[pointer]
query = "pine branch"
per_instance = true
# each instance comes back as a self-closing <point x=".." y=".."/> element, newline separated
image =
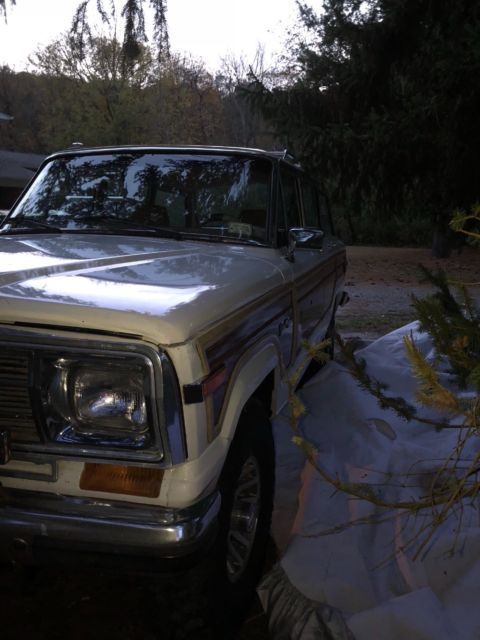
<point x="430" y="392"/>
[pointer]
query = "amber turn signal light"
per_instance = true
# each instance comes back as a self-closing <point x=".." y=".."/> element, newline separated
<point x="115" y="478"/>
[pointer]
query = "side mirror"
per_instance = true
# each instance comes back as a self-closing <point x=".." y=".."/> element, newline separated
<point x="303" y="238"/>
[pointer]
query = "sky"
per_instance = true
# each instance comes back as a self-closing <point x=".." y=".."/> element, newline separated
<point x="208" y="29"/>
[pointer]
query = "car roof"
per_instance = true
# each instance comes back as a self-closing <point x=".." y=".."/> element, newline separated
<point x="78" y="148"/>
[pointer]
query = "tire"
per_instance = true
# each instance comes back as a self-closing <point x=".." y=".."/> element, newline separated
<point x="211" y="599"/>
<point x="247" y="488"/>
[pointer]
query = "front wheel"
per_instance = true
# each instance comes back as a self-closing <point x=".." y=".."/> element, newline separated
<point x="219" y="590"/>
<point x="247" y="487"/>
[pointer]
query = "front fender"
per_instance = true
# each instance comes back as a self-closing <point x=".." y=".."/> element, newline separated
<point x="250" y="371"/>
<point x="182" y="484"/>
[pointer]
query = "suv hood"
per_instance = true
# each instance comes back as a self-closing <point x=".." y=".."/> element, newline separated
<point x="163" y="290"/>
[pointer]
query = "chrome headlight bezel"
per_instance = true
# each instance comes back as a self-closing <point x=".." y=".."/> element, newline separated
<point x="73" y="388"/>
<point x="165" y="444"/>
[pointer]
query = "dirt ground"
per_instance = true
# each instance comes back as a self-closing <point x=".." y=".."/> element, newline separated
<point x="381" y="280"/>
<point x="70" y="605"/>
<point x="55" y="604"/>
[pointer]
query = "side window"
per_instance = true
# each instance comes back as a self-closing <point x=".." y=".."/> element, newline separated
<point x="290" y="200"/>
<point x="310" y="205"/>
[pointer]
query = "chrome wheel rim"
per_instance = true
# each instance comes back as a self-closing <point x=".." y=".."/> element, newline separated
<point x="243" y="519"/>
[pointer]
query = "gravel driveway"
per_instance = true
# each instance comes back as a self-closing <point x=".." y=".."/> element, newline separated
<point x="380" y="282"/>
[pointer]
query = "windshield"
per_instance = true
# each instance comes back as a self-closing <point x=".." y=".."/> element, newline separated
<point x="217" y="196"/>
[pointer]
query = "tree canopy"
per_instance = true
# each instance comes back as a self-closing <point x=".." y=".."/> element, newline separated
<point x="98" y="100"/>
<point x="383" y="103"/>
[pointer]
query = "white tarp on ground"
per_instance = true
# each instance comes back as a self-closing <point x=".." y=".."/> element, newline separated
<point x="363" y="571"/>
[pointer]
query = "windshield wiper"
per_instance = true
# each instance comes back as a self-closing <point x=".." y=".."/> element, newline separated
<point x="205" y="237"/>
<point x="28" y="225"/>
<point x="128" y="225"/>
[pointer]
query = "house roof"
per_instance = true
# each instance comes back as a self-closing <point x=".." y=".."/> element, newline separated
<point x="16" y="168"/>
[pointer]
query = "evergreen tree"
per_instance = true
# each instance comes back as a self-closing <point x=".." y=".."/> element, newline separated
<point x="383" y="103"/>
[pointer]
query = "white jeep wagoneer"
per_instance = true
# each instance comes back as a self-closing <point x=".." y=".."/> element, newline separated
<point x="153" y="301"/>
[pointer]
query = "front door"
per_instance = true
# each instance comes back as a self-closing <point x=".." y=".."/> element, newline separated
<point x="313" y="270"/>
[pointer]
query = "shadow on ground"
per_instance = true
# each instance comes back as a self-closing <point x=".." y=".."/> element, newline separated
<point x="52" y="604"/>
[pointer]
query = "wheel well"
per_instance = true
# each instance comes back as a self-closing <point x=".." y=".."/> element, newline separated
<point x="264" y="392"/>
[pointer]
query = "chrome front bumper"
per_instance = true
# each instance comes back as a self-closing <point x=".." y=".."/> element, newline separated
<point x="32" y="523"/>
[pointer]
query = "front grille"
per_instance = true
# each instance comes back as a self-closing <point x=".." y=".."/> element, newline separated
<point x="15" y="405"/>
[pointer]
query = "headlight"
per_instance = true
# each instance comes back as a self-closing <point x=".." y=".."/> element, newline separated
<point x="111" y="401"/>
<point x="97" y="400"/>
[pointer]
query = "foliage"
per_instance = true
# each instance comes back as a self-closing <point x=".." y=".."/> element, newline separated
<point x="3" y="7"/>
<point x="98" y="100"/>
<point x="134" y="33"/>
<point x="94" y="98"/>
<point x="382" y="102"/>
<point x="454" y="327"/>
<point x="468" y="224"/>
<point x="105" y="88"/>
<point x="246" y="127"/>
